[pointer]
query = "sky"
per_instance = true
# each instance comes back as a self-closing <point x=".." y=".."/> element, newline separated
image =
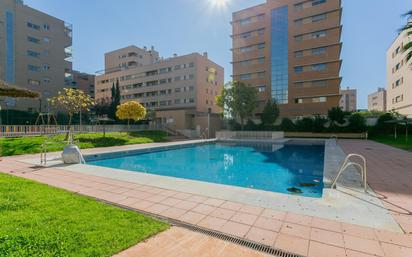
<point x="186" y="26"/>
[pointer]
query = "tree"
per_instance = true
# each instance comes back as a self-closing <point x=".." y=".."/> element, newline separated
<point x="238" y="101"/>
<point x="116" y="97"/>
<point x="336" y="115"/>
<point x="131" y="110"/>
<point x="72" y="101"/>
<point x="408" y="29"/>
<point x="269" y="115"/>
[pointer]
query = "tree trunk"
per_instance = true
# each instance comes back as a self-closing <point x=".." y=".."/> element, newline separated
<point x="69" y="127"/>
<point x="128" y="125"/>
<point x="241" y="123"/>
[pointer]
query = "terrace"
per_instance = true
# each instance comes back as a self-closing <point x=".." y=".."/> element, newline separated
<point x="343" y="222"/>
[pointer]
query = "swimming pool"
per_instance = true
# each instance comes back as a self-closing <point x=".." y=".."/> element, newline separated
<point x="295" y="168"/>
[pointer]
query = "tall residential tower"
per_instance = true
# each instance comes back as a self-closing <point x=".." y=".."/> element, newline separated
<point x="290" y="51"/>
<point x="35" y="53"/>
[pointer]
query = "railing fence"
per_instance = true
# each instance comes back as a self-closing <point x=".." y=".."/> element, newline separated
<point x="36" y="130"/>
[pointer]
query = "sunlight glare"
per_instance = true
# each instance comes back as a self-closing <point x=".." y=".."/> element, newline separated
<point x="221" y="4"/>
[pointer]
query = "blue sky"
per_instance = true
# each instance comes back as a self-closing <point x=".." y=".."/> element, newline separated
<point x="185" y="26"/>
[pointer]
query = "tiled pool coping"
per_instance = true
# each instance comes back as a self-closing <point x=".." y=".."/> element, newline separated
<point x="348" y="204"/>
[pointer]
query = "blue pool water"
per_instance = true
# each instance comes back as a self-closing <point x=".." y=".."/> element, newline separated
<point x="269" y="167"/>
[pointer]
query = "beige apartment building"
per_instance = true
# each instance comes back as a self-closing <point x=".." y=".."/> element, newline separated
<point x="84" y="82"/>
<point x="399" y="77"/>
<point x="377" y="100"/>
<point x="35" y="52"/>
<point x="290" y="51"/>
<point x="181" y="89"/>
<point x="348" y="100"/>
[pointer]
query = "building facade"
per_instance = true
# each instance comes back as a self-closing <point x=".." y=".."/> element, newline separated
<point x="84" y="82"/>
<point x="399" y="76"/>
<point x="377" y="100"/>
<point x="348" y="101"/>
<point x="290" y="51"/>
<point x="35" y="53"/>
<point x="182" y="89"/>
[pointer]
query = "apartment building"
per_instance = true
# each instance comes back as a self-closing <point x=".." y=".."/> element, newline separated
<point x="377" y="100"/>
<point x="35" y="52"/>
<point x="399" y="76"/>
<point x="84" y="82"/>
<point x="290" y="51"/>
<point x="181" y="89"/>
<point x="348" y="101"/>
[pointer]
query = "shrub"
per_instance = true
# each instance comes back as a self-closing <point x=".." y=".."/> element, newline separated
<point x="357" y="123"/>
<point x="251" y="126"/>
<point x="319" y="124"/>
<point x="287" y="125"/>
<point x="305" y="124"/>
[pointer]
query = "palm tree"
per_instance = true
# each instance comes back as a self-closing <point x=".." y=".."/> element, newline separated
<point x="408" y="29"/>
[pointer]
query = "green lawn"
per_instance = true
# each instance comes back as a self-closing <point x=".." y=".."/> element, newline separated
<point x="400" y="142"/>
<point x="26" y="145"/>
<point x="38" y="220"/>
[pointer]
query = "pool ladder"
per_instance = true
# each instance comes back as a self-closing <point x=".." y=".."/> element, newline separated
<point x="360" y="167"/>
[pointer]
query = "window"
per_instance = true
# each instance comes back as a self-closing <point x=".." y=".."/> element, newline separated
<point x="46" y="67"/>
<point x="261" y="32"/>
<point x="399" y="99"/>
<point x="320" y="83"/>
<point x="319" y="51"/>
<point x="191" y="65"/>
<point x="33" y="40"/>
<point x="46" y="80"/>
<point x="246" y="35"/>
<point x="245" y="76"/>
<point x="33" y="54"/>
<point x="177" y="67"/>
<point x="177" y="78"/>
<point x="319" y="34"/>
<point x="33" y="26"/>
<point x="261" y="46"/>
<point x="46" y="26"/>
<point x="33" y="68"/>
<point x="246" y="21"/>
<point x="321" y="99"/>
<point x="298" y="101"/>
<point x="319" y="17"/>
<point x="318" y="2"/>
<point x="299" y="7"/>
<point x="178" y="90"/>
<point x="46" y="40"/>
<point x="261" y="60"/>
<point x="298" y="54"/>
<point x="33" y="82"/>
<point x="298" y="69"/>
<point x="261" y="75"/>
<point x="261" y="88"/>
<point x="191" y="76"/>
<point x="319" y="67"/>
<point x="299" y="38"/>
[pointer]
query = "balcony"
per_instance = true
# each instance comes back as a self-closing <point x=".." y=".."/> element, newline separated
<point x="68" y="53"/>
<point x="68" y="29"/>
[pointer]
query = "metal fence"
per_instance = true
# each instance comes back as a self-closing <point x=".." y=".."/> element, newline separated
<point x="33" y="130"/>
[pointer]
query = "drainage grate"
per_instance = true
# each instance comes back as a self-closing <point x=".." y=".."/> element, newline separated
<point x="232" y="239"/>
<point x="239" y="241"/>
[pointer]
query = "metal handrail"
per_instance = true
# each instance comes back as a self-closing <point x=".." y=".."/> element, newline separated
<point x="362" y="168"/>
